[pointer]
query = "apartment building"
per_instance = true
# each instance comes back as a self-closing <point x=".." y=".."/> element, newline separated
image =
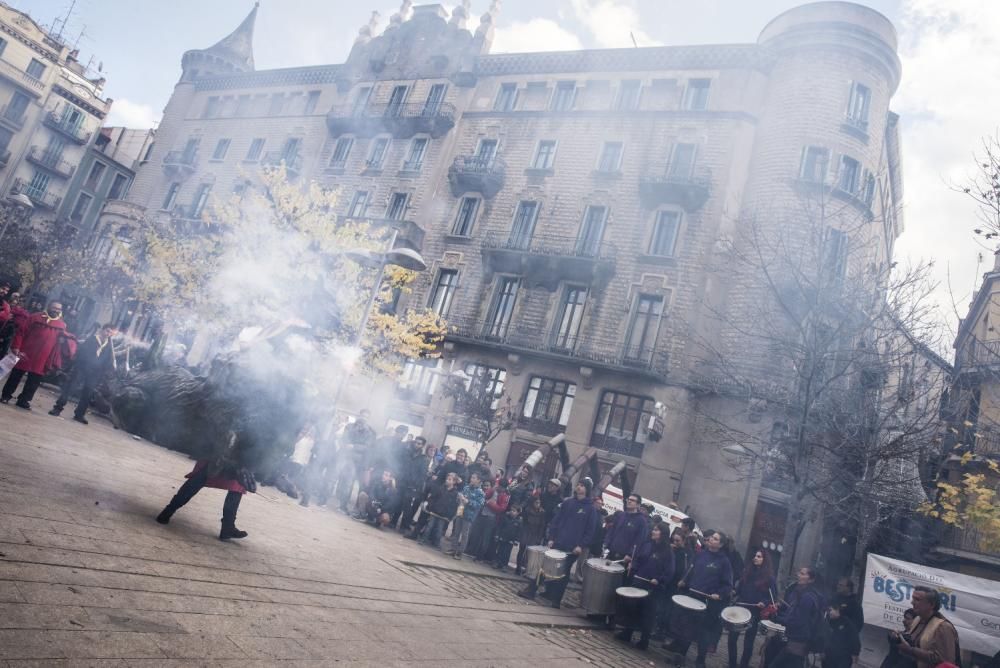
<point x="568" y="205"/>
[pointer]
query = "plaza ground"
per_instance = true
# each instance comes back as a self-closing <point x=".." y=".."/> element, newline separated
<point x="88" y="578"/>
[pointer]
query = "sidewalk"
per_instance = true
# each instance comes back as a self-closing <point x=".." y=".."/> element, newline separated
<point x="87" y="576"/>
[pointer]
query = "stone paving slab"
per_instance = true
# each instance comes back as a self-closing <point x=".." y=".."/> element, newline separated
<point x="87" y="578"/>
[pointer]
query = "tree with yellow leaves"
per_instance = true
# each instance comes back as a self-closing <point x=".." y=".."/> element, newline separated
<point x="967" y="500"/>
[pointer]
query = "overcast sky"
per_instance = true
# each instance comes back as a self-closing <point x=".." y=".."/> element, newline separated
<point x="949" y="98"/>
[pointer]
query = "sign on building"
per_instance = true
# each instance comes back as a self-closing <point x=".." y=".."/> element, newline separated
<point x="972" y="604"/>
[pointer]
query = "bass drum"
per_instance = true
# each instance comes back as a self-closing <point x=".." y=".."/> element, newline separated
<point x="555" y="564"/>
<point x="600" y="580"/>
<point x="736" y="618"/>
<point x="630" y="602"/>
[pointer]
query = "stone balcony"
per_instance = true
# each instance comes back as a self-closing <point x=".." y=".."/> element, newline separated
<point x="180" y="163"/>
<point x="547" y="260"/>
<point x="409" y="234"/>
<point x="293" y="163"/>
<point x="688" y="191"/>
<point x="584" y="350"/>
<point x="21" y="78"/>
<point x="402" y="121"/>
<point x="50" y="162"/>
<point x="74" y="133"/>
<point x="471" y="173"/>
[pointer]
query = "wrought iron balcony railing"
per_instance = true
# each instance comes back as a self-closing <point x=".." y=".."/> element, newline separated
<point x="688" y="189"/>
<point x="51" y="162"/>
<point x="39" y="197"/>
<point x="473" y="173"/>
<point x="399" y="120"/>
<point x="180" y="162"/>
<point x="581" y="349"/>
<point x="73" y="131"/>
<point x="292" y="161"/>
<point x="546" y="259"/>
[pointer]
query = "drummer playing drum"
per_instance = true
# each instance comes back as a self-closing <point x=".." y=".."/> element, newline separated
<point x="711" y="578"/>
<point x="755" y="590"/>
<point x="571" y="531"/>
<point x="652" y="569"/>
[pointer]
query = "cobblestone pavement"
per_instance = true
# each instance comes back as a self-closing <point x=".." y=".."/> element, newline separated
<point x="88" y="578"/>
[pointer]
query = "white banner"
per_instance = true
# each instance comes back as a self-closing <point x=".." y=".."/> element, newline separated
<point x="972" y="604"/>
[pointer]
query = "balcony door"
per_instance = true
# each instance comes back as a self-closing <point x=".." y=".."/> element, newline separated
<point x="396" y="101"/>
<point x="485" y="153"/>
<point x="524" y="225"/>
<point x="588" y="242"/>
<point x="502" y="309"/>
<point x="434" y="99"/>
<point x="567" y="332"/>
<point x="644" y="328"/>
<point x="72" y="118"/>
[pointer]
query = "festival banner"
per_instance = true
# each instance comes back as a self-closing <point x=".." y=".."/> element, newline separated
<point x="972" y="604"/>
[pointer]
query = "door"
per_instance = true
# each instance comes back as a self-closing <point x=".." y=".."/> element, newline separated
<point x="486" y="152"/>
<point x="434" y="99"/>
<point x="396" y="100"/>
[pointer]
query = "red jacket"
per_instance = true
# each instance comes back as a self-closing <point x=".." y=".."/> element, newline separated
<point x="497" y="501"/>
<point x="39" y="342"/>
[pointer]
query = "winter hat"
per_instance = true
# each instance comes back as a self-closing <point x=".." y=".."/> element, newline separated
<point x="556" y="482"/>
<point x="589" y="484"/>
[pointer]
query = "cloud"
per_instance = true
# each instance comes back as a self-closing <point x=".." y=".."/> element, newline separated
<point x="612" y="23"/>
<point x="534" y="35"/>
<point x="132" y="114"/>
<point x="947" y="102"/>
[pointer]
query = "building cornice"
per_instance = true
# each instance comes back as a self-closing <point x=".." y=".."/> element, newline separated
<point x="78" y="101"/>
<point x="30" y="43"/>
<point x="289" y="76"/>
<point x="741" y="116"/>
<point x="703" y="57"/>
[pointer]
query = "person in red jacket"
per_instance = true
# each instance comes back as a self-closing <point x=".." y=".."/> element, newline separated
<point x="39" y="345"/>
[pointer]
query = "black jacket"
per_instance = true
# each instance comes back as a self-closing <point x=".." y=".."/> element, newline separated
<point x="443" y="502"/>
<point x="509" y="529"/>
<point x="94" y="359"/>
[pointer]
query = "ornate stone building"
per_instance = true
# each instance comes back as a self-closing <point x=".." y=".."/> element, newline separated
<point x="567" y="204"/>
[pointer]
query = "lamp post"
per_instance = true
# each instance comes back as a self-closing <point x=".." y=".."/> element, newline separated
<point x="18" y="205"/>
<point x="743" y="452"/>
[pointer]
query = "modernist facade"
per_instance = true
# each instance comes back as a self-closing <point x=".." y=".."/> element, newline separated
<point x="50" y="113"/>
<point x="567" y="205"/>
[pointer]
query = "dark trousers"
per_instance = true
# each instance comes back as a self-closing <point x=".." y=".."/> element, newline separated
<point x="408" y="504"/>
<point x="647" y="617"/>
<point x="554" y="589"/>
<point x="481" y="535"/>
<point x="318" y="480"/>
<point x="86" y="383"/>
<point x="192" y="486"/>
<point x="345" y="482"/>
<point x="748" y="639"/>
<point x="710" y="621"/>
<point x="30" y="386"/>
<point x="503" y="551"/>
<point x="436" y="526"/>
<point x="788" y="660"/>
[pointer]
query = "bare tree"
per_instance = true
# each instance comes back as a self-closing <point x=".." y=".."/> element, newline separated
<point x="822" y="334"/>
<point x="481" y="402"/>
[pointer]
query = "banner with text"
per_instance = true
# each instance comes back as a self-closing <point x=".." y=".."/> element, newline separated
<point x="972" y="604"/>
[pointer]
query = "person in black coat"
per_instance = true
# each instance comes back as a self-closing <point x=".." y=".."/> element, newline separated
<point x="895" y="659"/>
<point x="844" y="641"/>
<point x="95" y="358"/>
<point x="412" y="478"/>
<point x="652" y="569"/>
<point x="507" y="533"/>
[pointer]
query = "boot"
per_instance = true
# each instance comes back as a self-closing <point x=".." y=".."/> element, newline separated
<point x="165" y="515"/>
<point x="229" y="530"/>
<point x="55" y="411"/>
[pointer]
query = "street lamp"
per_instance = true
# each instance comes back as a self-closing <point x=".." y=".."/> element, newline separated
<point x="18" y="205"/>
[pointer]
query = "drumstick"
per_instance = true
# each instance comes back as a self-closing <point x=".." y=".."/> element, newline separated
<point x="700" y="592"/>
<point x="769" y="593"/>
<point x="639" y="577"/>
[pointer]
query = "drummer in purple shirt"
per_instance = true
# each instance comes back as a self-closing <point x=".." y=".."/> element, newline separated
<point x="652" y="569"/>
<point x="571" y="531"/>
<point x="628" y="531"/>
<point x="711" y="580"/>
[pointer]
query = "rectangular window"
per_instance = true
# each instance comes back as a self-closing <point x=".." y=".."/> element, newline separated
<point x="628" y="95"/>
<point x="211" y="107"/>
<point x="242" y="106"/>
<point x="5" y="137"/>
<point x="415" y="160"/>
<point x="256" y="148"/>
<point x="312" y="100"/>
<point x="588" y="242"/>
<point x="118" y="187"/>
<point x="502" y="309"/>
<point x="857" y="106"/>
<point x="869" y="192"/>
<point x="545" y="155"/>
<point x="396" y="101"/>
<point x="171" y="198"/>
<point x="358" y="205"/>
<point x="276" y="105"/>
<point x="190" y="151"/>
<point x="622" y="423"/>
<point x="549" y="400"/>
<point x="3" y="45"/>
<point x="835" y="244"/>
<point x="696" y="94"/>
<point x="681" y="161"/>
<point x="290" y="151"/>
<point x="850" y="175"/>
<point x="380" y="146"/>
<point x="38" y="185"/>
<point x="566" y="334"/>
<point x="485" y="152"/>
<point x="524" y="225"/>
<point x="487" y="382"/>
<point x="17" y="106"/>
<point x="200" y="200"/>
<point x="564" y="97"/>
<point x="419" y="380"/>
<point x="665" y="231"/>
<point x="434" y="99"/>
<point x="611" y="157"/>
<point x="397" y="206"/>
<point x="361" y="100"/>
<point x="644" y="328"/>
<point x="815" y="162"/>
<point x="221" y="148"/>
<point x="444" y="292"/>
<point x="341" y="150"/>
<point x="506" y="97"/>
<point x="94" y="176"/>
<point x="466" y="218"/>
<point x="36" y="69"/>
<point x="81" y="207"/>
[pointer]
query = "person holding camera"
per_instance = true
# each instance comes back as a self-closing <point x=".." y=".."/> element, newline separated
<point x="894" y="659"/>
<point x="932" y="638"/>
